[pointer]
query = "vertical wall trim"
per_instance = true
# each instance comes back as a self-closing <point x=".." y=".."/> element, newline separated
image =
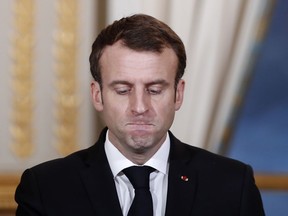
<point x="66" y="99"/>
<point x="22" y="78"/>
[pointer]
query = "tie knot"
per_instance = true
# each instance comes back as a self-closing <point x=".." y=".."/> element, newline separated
<point x="139" y="176"/>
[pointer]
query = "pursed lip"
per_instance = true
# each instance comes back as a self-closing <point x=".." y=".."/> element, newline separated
<point x="140" y="125"/>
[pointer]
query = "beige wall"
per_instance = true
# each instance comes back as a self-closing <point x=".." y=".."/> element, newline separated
<point x="33" y="35"/>
<point x="41" y="118"/>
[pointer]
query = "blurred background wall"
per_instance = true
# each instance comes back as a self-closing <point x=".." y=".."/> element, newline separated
<point x="45" y="79"/>
<point x="46" y="110"/>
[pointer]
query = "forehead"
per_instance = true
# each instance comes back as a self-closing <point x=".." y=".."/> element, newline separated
<point x="118" y="61"/>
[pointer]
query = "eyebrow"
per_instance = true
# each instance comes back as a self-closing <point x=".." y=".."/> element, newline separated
<point x="158" y="82"/>
<point x="122" y="82"/>
<point x="153" y="82"/>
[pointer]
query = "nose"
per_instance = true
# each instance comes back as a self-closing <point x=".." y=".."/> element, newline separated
<point x="139" y="102"/>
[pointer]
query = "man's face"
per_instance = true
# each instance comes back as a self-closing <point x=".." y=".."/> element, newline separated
<point x="138" y="98"/>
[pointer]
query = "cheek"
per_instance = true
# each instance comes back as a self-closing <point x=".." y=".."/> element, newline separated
<point x="165" y="109"/>
<point x="113" y="110"/>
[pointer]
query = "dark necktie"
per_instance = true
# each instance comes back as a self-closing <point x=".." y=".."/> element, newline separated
<point x="139" y="177"/>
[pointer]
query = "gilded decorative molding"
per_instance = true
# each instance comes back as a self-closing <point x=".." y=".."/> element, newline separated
<point x="8" y="184"/>
<point x="66" y="80"/>
<point x="22" y="78"/>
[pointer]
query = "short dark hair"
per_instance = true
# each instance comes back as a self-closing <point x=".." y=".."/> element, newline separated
<point x="138" y="32"/>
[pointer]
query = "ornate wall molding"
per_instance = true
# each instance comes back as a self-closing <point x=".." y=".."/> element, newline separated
<point x="8" y="184"/>
<point x="67" y="105"/>
<point x="22" y="78"/>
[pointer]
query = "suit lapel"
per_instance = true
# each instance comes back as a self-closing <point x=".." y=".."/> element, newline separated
<point x="99" y="183"/>
<point x="182" y="181"/>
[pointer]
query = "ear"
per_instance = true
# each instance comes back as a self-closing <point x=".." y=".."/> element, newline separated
<point x="179" y="94"/>
<point x="96" y="96"/>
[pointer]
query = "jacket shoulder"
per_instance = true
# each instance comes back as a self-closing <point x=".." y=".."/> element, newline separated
<point x="64" y="165"/>
<point x="203" y="159"/>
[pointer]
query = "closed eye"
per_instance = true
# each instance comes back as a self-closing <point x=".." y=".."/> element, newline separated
<point x="154" y="90"/>
<point x="123" y="90"/>
<point x="156" y="87"/>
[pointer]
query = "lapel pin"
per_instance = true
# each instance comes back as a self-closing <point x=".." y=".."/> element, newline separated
<point x="184" y="178"/>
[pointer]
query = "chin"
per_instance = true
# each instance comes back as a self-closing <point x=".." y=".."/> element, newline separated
<point x="141" y="138"/>
<point x="141" y="134"/>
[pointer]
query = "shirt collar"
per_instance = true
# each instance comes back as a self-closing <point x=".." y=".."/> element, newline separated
<point x="118" y="162"/>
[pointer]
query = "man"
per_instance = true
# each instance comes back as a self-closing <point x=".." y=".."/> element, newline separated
<point x="137" y="63"/>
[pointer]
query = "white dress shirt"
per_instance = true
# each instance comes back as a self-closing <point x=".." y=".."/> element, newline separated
<point x="158" y="178"/>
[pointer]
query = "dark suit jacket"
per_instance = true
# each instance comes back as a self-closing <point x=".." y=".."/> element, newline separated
<point x="82" y="184"/>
